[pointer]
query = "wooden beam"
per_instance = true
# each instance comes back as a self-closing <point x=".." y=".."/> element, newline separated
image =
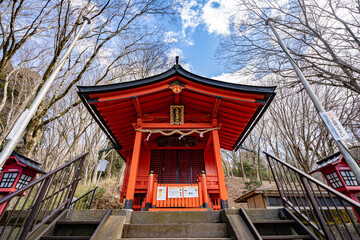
<point x="199" y="102"/>
<point x="128" y="111"/>
<point x="226" y="142"/>
<point x="168" y="100"/>
<point x="129" y="94"/>
<point x="224" y="93"/>
<point x="230" y="131"/>
<point x="197" y="116"/>
<point x="233" y="128"/>
<point x="183" y="126"/>
<point x="235" y="116"/>
<point x="226" y="133"/>
<point x="158" y="95"/>
<point x="116" y="127"/>
<point x="111" y="107"/>
<point x="227" y="138"/>
<point x="177" y="98"/>
<point x="208" y="143"/>
<point x="124" y="135"/>
<point x="241" y="106"/>
<point x="232" y="122"/>
<point x="216" y="107"/>
<point x="137" y="106"/>
<point x="157" y="115"/>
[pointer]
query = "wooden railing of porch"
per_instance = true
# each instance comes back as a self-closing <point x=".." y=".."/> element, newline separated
<point x="201" y="202"/>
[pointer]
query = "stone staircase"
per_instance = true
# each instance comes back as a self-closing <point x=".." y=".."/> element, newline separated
<point x="71" y="230"/>
<point x="249" y="224"/>
<point x="275" y="224"/>
<point x="176" y="225"/>
<point x="75" y="225"/>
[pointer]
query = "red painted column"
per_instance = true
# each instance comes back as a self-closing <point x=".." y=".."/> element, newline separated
<point x="129" y="200"/>
<point x="149" y="193"/>
<point x="220" y="170"/>
<point x="204" y="190"/>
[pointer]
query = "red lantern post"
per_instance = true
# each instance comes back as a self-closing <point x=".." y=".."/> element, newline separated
<point x="18" y="171"/>
<point x="339" y="175"/>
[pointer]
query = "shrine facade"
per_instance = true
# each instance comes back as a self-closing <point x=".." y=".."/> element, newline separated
<point x="169" y="129"/>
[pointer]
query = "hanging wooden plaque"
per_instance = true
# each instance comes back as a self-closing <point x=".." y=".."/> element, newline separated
<point x="177" y="114"/>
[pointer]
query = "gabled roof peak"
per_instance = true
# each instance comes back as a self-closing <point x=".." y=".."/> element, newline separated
<point x="177" y="70"/>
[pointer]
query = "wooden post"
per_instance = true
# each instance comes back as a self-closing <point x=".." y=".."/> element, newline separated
<point x="149" y="193"/>
<point x="219" y="169"/>
<point x="154" y="196"/>
<point x="204" y="191"/>
<point x="133" y="172"/>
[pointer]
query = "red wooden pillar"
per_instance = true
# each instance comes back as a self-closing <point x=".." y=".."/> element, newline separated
<point x="149" y="192"/>
<point x="129" y="200"/>
<point x="219" y="169"/>
<point x="204" y="190"/>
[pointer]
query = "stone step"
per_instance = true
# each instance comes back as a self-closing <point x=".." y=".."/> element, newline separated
<point x="284" y="237"/>
<point x="275" y="221"/>
<point x="175" y="217"/>
<point x="77" y="223"/>
<point x="180" y="230"/>
<point x="66" y="238"/>
<point x="263" y="214"/>
<point x="176" y="238"/>
<point x="75" y="228"/>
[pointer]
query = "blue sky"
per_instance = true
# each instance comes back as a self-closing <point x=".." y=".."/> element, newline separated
<point x="195" y="34"/>
<point x="201" y="55"/>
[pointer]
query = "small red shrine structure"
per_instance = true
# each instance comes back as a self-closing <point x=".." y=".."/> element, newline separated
<point x="18" y="171"/>
<point x="338" y="175"/>
<point x="169" y="129"/>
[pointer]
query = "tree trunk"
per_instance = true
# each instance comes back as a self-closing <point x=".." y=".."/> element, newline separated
<point x="121" y="175"/>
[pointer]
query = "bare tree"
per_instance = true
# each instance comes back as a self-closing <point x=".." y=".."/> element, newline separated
<point x="294" y="129"/>
<point x="109" y="50"/>
<point x="322" y="36"/>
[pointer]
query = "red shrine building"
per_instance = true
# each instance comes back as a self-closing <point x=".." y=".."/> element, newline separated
<point x="169" y="129"/>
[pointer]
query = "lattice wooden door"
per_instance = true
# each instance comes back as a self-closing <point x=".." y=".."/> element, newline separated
<point x="177" y="166"/>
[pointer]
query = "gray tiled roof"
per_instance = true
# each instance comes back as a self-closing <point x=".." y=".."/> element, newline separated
<point x="28" y="162"/>
<point x="327" y="161"/>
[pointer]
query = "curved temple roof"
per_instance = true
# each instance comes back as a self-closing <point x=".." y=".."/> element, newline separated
<point x="116" y="107"/>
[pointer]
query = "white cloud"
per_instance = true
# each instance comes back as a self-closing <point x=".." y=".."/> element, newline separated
<point x="171" y="37"/>
<point x="78" y="3"/>
<point x="217" y="16"/>
<point x="171" y="55"/>
<point x="190" y="14"/>
<point x="235" y="77"/>
<point x="243" y="76"/>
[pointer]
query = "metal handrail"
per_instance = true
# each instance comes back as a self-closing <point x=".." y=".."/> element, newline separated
<point x="30" y="185"/>
<point x="81" y="202"/>
<point x="305" y="195"/>
<point x="40" y="201"/>
<point x="336" y="193"/>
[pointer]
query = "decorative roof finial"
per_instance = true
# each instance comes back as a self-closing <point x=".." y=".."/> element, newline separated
<point x="177" y="60"/>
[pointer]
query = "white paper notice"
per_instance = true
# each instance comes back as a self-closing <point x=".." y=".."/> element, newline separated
<point x="161" y="193"/>
<point x="336" y="128"/>
<point x="174" y="192"/>
<point x="191" y="192"/>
